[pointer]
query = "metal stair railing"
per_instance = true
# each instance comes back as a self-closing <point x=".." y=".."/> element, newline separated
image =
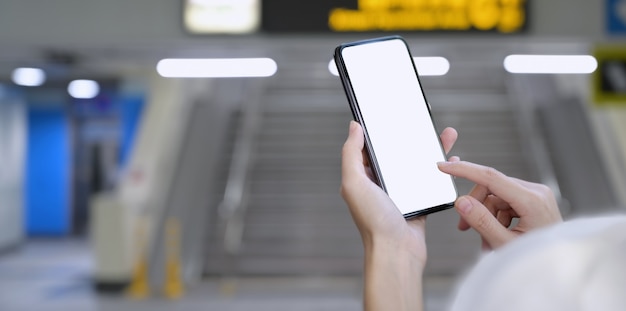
<point x="523" y="98"/>
<point x="232" y="209"/>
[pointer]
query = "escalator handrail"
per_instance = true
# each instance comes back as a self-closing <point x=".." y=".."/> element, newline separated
<point x="232" y="208"/>
<point x="525" y="106"/>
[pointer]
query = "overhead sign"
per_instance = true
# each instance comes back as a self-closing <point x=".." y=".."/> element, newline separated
<point x="609" y="82"/>
<point x="502" y="16"/>
<point x="221" y="16"/>
<point x="615" y="16"/>
<point x="428" y="15"/>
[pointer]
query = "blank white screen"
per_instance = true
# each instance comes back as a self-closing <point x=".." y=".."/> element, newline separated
<point x="396" y="118"/>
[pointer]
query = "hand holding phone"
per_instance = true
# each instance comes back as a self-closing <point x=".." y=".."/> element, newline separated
<point x="386" y="98"/>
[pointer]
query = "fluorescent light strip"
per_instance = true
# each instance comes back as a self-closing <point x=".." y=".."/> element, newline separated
<point x="431" y="66"/>
<point x="216" y="67"/>
<point x="426" y="66"/>
<point x="332" y="67"/>
<point x="83" y="89"/>
<point x="550" y="64"/>
<point x="28" y="76"/>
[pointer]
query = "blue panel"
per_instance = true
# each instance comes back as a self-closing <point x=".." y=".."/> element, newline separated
<point x="48" y="172"/>
<point x="131" y="109"/>
<point x="616" y="16"/>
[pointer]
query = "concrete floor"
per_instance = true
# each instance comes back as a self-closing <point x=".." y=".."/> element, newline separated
<point x="55" y="274"/>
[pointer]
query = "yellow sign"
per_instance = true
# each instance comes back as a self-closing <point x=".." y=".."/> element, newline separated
<point x="504" y="16"/>
<point x="609" y="80"/>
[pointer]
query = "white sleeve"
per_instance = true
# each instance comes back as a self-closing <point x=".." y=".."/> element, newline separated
<point x="575" y="265"/>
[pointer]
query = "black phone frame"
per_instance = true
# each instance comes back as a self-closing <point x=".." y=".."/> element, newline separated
<point x="356" y="114"/>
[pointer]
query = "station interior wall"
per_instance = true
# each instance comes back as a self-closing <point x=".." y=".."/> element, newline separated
<point x="127" y="38"/>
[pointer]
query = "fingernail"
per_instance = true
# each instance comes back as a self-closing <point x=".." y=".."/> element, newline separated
<point x="464" y="205"/>
<point x="443" y="163"/>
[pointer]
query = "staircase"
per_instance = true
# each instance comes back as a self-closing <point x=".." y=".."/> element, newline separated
<point x="296" y="222"/>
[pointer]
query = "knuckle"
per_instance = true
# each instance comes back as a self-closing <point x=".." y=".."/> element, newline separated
<point x="546" y="191"/>
<point x="345" y="149"/>
<point x="536" y="196"/>
<point x="483" y="222"/>
<point x="542" y="193"/>
<point x="492" y="174"/>
<point x="342" y="191"/>
<point x="543" y="189"/>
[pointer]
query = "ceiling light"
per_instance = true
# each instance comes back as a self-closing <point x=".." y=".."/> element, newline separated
<point x="550" y="64"/>
<point x="216" y="67"/>
<point x="28" y="76"/>
<point x="333" y="68"/>
<point x="83" y="89"/>
<point x="426" y="66"/>
<point x="431" y="66"/>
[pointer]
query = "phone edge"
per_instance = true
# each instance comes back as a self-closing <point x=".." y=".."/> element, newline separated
<point x="345" y="80"/>
<point x="356" y="113"/>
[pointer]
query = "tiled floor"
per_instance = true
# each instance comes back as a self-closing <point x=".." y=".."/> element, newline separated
<point x="55" y="275"/>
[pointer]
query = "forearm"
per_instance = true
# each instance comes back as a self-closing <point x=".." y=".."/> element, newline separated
<point x="393" y="279"/>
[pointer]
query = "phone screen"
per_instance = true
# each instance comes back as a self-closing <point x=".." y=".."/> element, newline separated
<point x="387" y="99"/>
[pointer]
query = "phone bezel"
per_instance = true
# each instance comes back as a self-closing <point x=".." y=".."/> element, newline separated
<point x="356" y="114"/>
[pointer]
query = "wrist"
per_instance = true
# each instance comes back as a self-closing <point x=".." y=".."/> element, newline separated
<point x="393" y="277"/>
<point x="407" y="250"/>
<point x="395" y="255"/>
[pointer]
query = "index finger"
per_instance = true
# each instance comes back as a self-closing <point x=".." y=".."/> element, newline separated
<point x="499" y="184"/>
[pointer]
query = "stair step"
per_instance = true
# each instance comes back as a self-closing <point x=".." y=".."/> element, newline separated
<point x="296" y="222"/>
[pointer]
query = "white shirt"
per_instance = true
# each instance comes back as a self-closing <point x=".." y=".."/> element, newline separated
<point x="576" y="265"/>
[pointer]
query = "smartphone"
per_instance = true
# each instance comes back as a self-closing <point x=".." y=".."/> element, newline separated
<point x="386" y="98"/>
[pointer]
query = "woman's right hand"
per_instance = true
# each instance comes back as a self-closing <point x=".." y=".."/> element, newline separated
<point x="497" y="199"/>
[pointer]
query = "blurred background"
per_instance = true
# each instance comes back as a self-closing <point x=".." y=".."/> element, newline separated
<point x="186" y="154"/>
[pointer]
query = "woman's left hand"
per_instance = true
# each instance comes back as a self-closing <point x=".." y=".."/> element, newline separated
<point x="376" y="216"/>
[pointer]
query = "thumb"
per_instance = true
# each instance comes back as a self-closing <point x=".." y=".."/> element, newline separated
<point x="352" y="152"/>
<point x="480" y="219"/>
